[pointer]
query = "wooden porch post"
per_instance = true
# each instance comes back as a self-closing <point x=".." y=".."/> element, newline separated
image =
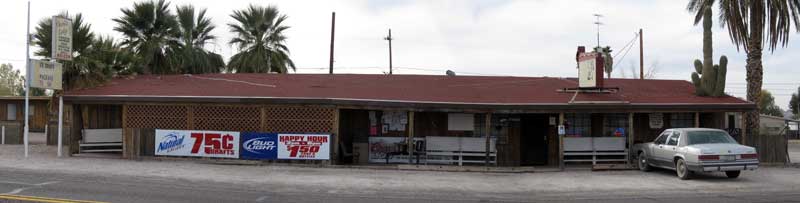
<point x="561" y="121"/>
<point x="488" y="133"/>
<point x="336" y="138"/>
<point x="410" y="139"/>
<point x="696" y="119"/>
<point x="631" y="137"/>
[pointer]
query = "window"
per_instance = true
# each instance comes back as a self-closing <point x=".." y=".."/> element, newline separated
<point x="681" y="120"/>
<point x="578" y="124"/>
<point x="615" y="125"/>
<point x="662" y="138"/>
<point x="673" y="140"/>
<point x="709" y="137"/>
<point x="11" y="112"/>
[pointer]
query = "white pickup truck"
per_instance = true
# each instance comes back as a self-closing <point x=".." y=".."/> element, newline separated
<point x="695" y="150"/>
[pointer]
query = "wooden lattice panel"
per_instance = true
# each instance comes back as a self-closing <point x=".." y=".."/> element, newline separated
<point x="228" y="118"/>
<point x="299" y="119"/>
<point x="156" y="116"/>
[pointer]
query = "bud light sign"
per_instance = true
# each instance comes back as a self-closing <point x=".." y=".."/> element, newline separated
<point x="259" y="146"/>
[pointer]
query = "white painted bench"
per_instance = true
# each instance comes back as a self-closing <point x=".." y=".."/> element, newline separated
<point x="595" y="147"/>
<point x="451" y="150"/>
<point x="101" y="140"/>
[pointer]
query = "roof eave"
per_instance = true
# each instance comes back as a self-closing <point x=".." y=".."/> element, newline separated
<point x="599" y="106"/>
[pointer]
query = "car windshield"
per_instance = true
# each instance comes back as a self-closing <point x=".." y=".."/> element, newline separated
<point x="709" y="137"/>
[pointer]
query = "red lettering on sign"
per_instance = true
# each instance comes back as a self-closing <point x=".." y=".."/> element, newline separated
<point x="198" y="140"/>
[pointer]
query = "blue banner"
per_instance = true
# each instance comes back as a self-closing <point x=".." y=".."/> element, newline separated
<point x="259" y="146"/>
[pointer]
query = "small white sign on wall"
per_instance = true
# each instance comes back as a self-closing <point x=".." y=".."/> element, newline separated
<point x="656" y="120"/>
<point x="461" y="122"/>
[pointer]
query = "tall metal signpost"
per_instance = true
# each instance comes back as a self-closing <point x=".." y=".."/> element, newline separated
<point x="47" y="74"/>
<point x="27" y="76"/>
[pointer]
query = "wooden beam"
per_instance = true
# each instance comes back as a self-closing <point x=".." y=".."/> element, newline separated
<point x="190" y="118"/>
<point x="263" y="121"/>
<point x="336" y="137"/>
<point x="487" y="134"/>
<point x="410" y="139"/>
<point x="696" y="119"/>
<point x="631" y="137"/>
<point x="125" y="132"/>
<point x="561" y="121"/>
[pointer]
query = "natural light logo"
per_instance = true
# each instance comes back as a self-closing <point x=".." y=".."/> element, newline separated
<point x="171" y="142"/>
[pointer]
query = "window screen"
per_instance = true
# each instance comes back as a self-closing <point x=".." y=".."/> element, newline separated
<point x="681" y="120"/>
<point x="579" y="124"/>
<point x="615" y="125"/>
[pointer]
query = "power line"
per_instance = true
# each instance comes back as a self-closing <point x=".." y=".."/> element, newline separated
<point x="628" y="45"/>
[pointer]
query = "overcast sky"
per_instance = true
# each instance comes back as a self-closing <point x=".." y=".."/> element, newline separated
<point x="484" y="37"/>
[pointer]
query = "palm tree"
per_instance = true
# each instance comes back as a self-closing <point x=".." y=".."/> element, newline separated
<point x="260" y="39"/>
<point x="747" y="21"/>
<point x="192" y="34"/>
<point x="82" y="39"/>
<point x="103" y="59"/>
<point x="147" y="29"/>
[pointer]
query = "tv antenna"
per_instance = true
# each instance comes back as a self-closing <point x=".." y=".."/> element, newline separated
<point x="598" y="23"/>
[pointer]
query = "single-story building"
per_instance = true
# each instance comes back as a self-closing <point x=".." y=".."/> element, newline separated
<point x="401" y="119"/>
<point x="775" y="125"/>
<point x="12" y="109"/>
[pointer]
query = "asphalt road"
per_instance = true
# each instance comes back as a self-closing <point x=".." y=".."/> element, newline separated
<point x="126" y="189"/>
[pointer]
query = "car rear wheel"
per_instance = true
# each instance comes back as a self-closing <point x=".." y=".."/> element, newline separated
<point x="733" y="174"/>
<point x="682" y="170"/>
<point x="643" y="165"/>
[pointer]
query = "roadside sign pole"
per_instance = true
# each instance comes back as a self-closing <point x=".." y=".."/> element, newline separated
<point x="27" y="76"/>
<point x="60" y="122"/>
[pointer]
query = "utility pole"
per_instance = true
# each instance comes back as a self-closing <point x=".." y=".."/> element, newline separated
<point x="389" y="38"/>
<point x="333" y="26"/>
<point x="641" y="55"/>
<point x="598" y="23"/>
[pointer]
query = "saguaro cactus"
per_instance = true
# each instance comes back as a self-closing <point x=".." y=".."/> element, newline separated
<point x="709" y="79"/>
<point x="715" y="77"/>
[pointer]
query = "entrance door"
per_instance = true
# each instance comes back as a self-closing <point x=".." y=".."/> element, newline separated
<point x="533" y="139"/>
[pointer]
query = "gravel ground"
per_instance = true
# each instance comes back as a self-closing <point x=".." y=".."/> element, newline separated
<point x="365" y="181"/>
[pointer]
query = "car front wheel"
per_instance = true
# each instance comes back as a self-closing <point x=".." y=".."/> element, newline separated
<point x="682" y="170"/>
<point x="643" y="165"/>
<point x="733" y="174"/>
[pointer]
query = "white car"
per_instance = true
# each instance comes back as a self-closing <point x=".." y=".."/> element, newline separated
<point x="696" y="150"/>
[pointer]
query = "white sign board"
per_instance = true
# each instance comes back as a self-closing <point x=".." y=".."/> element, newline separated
<point x="199" y="143"/>
<point x="46" y="75"/>
<point x="587" y="73"/>
<point x="656" y="120"/>
<point x="460" y="122"/>
<point x="304" y="146"/>
<point x="62" y="38"/>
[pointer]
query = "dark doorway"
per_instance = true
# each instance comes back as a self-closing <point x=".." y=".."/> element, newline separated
<point x="534" y="139"/>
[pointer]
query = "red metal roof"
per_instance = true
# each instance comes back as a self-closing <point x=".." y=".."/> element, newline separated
<point x="400" y="88"/>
